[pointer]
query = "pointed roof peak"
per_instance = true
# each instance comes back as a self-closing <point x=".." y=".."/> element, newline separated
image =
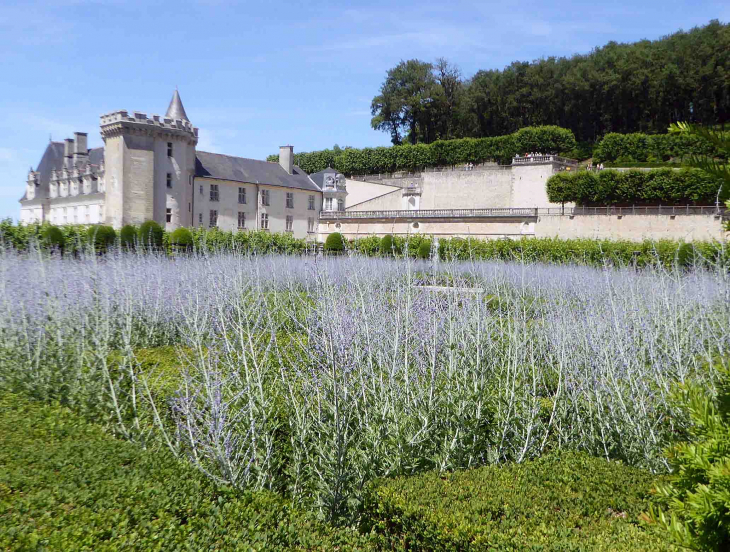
<point x="176" y="110"/>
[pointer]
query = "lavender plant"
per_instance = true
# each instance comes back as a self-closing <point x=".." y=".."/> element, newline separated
<point x="314" y="376"/>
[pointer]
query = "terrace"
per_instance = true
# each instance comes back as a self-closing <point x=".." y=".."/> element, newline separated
<point x="528" y="212"/>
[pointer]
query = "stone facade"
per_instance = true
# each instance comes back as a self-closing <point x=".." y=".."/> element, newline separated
<point x="149" y="169"/>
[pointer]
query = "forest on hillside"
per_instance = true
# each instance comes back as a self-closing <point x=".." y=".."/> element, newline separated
<point x="638" y="87"/>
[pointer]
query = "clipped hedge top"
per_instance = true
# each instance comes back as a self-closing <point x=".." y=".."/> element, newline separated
<point x="567" y="501"/>
<point x="67" y="485"/>
<point x="548" y="139"/>
<point x="610" y="186"/>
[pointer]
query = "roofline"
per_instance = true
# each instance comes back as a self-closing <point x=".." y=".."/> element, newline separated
<point x="258" y="183"/>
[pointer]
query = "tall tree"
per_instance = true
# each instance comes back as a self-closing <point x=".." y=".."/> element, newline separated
<point x="404" y="102"/>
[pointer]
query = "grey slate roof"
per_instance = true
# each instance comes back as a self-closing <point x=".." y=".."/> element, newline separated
<point x="318" y="177"/>
<point x="239" y="169"/>
<point x="176" y="110"/>
<point x="53" y="159"/>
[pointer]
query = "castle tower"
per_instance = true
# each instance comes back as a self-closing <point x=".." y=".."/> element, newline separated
<point x="149" y="166"/>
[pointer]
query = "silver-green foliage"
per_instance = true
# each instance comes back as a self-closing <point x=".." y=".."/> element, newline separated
<point x="314" y="376"/>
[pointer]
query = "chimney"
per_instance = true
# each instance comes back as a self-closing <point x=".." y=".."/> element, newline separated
<point x="68" y="152"/>
<point x="80" y="149"/>
<point x="286" y="158"/>
<point x="81" y="144"/>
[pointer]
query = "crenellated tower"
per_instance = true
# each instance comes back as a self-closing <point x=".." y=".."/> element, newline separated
<point x="149" y="166"/>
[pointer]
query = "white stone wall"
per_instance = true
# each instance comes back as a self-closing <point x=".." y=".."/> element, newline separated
<point x="476" y="228"/>
<point x="528" y="187"/>
<point x="32" y="213"/>
<point x="631" y="227"/>
<point x="228" y="206"/>
<point x="79" y="211"/>
<point x="359" y="191"/>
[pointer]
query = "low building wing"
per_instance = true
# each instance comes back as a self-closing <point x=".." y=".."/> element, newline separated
<point x="240" y="169"/>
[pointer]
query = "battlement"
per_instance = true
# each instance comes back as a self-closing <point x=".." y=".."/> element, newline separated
<point x="154" y="121"/>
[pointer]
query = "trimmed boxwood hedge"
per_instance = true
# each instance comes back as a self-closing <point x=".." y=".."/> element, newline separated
<point x="334" y="242"/>
<point x="546" y="139"/>
<point x="128" y="235"/>
<point x="609" y="187"/>
<point x="52" y="237"/>
<point x="567" y="501"/>
<point x="65" y="484"/>
<point x="651" y="147"/>
<point x="151" y="233"/>
<point x="181" y="238"/>
<point x="102" y="237"/>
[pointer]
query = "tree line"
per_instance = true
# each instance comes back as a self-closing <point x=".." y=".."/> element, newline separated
<point x="638" y="87"/>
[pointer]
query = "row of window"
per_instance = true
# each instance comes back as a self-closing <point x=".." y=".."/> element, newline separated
<point x="213" y="221"/>
<point x="265" y="197"/>
<point x="75" y="214"/>
<point x="328" y="204"/>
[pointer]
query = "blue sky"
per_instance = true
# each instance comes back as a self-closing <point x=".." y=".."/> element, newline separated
<point x="255" y="75"/>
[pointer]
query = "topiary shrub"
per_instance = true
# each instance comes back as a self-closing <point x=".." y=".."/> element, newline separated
<point x="181" y="239"/>
<point x="424" y="250"/>
<point x="687" y="255"/>
<point x="386" y="245"/>
<point x="128" y="236"/>
<point x="52" y="238"/>
<point x="150" y="233"/>
<point x="696" y="499"/>
<point x="101" y="237"/>
<point x="334" y="243"/>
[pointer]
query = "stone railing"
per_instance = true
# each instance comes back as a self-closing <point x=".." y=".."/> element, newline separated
<point x="405" y="174"/>
<point x="544" y="159"/>
<point x="525" y="212"/>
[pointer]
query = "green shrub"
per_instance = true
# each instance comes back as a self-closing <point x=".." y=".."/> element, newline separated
<point x="151" y="233"/>
<point x="102" y="237"/>
<point x="52" y="237"/>
<point x="181" y="238"/>
<point x="424" y="249"/>
<point x="334" y="242"/>
<point x="128" y="236"/>
<point x="386" y="246"/>
<point x="637" y="147"/>
<point x="610" y="187"/>
<point x="696" y="499"/>
<point x="548" y="139"/>
<point x="567" y="501"/>
<point x="67" y="485"/>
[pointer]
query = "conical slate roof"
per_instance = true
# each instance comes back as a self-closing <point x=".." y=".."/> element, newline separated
<point x="176" y="110"/>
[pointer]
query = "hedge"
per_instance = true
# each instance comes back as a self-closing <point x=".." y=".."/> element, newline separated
<point x="567" y="501"/>
<point x="546" y="139"/>
<point x="651" y="147"/>
<point x="68" y="485"/>
<point x="21" y="236"/>
<point x="334" y="242"/>
<point x="102" y="237"/>
<point x="584" y="251"/>
<point x="608" y="187"/>
<point x="151" y="233"/>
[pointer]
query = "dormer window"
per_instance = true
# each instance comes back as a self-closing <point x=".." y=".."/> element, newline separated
<point x="169" y="149"/>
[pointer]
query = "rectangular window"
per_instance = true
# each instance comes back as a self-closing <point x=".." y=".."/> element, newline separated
<point x="290" y="200"/>
<point x="340" y="204"/>
<point x="168" y="214"/>
<point x="65" y="215"/>
<point x="214" y="192"/>
<point x="289" y="223"/>
<point x="264" y="197"/>
<point x="310" y="224"/>
<point x="201" y="189"/>
<point x="242" y="196"/>
<point x="200" y="219"/>
<point x="169" y="180"/>
<point x="189" y="207"/>
<point x="264" y="221"/>
<point x="213" y="218"/>
<point x="241" y="220"/>
<point x="76" y="215"/>
<point x="87" y="213"/>
<point x="328" y="204"/>
<point x="169" y="149"/>
<point x="311" y="203"/>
